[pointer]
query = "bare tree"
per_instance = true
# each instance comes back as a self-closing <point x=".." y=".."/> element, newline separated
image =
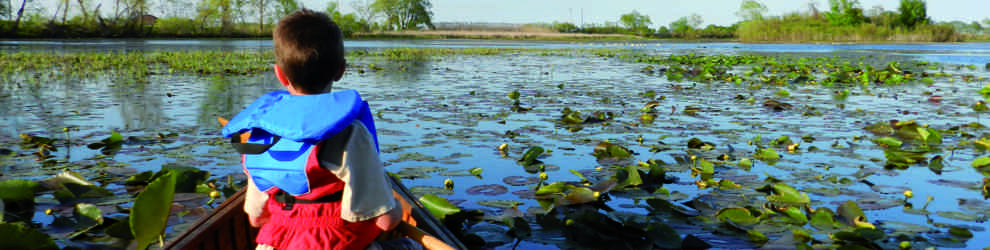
<point x="20" y="13"/>
<point x="261" y="6"/>
<point x="364" y="11"/>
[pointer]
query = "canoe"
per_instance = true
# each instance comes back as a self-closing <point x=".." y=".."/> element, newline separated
<point x="228" y="227"/>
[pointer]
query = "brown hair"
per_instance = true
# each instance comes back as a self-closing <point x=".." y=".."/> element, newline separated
<point x="309" y="49"/>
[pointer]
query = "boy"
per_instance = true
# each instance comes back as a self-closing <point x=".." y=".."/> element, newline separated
<point x="315" y="180"/>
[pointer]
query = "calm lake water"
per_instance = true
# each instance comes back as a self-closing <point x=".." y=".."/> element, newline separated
<point x="450" y="113"/>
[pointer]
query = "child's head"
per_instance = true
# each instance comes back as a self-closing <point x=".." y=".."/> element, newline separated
<point x="309" y="50"/>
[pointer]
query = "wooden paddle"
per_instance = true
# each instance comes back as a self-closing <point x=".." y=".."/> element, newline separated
<point x="406" y="227"/>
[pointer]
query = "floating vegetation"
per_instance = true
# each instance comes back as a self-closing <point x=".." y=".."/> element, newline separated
<point x="666" y="150"/>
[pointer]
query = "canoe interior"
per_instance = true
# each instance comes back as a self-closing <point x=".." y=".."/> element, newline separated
<point x="228" y="226"/>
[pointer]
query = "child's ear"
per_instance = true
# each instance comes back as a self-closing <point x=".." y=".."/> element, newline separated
<point x="281" y="77"/>
<point x="340" y="71"/>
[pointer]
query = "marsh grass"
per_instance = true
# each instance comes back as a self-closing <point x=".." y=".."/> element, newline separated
<point x="808" y="29"/>
<point x="506" y="35"/>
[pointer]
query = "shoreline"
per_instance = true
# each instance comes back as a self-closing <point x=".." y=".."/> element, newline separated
<point x="500" y="35"/>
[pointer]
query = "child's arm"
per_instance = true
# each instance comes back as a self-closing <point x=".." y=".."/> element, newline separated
<point x="353" y="157"/>
<point x="389" y="220"/>
<point x="254" y="204"/>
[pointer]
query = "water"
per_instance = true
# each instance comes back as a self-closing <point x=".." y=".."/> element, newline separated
<point x="454" y="112"/>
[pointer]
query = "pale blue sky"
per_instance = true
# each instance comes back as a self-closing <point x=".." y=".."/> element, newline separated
<point x="662" y="12"/>
<point x="721" y="12"/>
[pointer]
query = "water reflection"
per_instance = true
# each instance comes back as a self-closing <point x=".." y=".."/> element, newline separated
<point x="138" y="102"/>
<point x="225" y="96"/>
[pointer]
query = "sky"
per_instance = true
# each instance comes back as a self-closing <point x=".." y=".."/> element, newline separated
<point x="661" y="12"/>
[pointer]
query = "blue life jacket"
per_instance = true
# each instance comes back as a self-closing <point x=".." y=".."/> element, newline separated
<point x="290" y="126"/>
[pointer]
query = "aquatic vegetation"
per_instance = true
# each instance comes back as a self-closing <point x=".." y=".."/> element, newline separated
<point x="663" y="150"/>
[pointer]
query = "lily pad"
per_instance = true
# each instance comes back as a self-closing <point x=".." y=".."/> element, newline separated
<point x="19" y="236"/>
<point x="783" y="193"/>
<point x="150" y="212"/>
<point x="904" y="227"/>
<point x="738" y="217"/>
<point x="438" y="206"/>
<point x="824" y="219"/>
<point x="529" y="158"/>
<point x="487" y="190"/>
<point x="768" y="155"/>
<point x="421" y="190"/>
<point x="520" y="180"/>
<point x="504" y="204"/>
<point x="960" y="216"/>
<point x="88" y="215"/>
<point x="608" y="150"/>
<point x="463" y="172"/>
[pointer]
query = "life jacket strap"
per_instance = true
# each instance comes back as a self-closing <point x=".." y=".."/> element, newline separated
<point x="290" y="201"/>
<point x="251" y="148"/>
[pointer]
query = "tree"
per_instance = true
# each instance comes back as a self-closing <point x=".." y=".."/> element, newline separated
<point x="364" y="12"/>
<point x="5" y="10"/>
<point x="845" y="13"/>
<point x="695" y="20"/>
<point x="405" y="14"/>
<point x="751" y="10"/>
<point x="286" y="7"/>
<point x="636" y="22"/>
<point x="261" y="6"/>
<point x="912" y="13"/>
<point x="20" y="14"/>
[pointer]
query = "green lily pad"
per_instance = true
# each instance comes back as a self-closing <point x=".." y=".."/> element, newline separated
<point x="579" y="195"/>
<point x="627" y="176"/>
<point x="849" y="211"/>
<point x="662" y="205"/>
<point x="150" y="212"/>
<point x="142" y="178"/>
<point x="608" y="150"/>
<point x="504" y="204"/>
<point x="664" y="236"/>
<point x="70" y="185"/>
<point x="553" y="188"/>
<point x="936" y="165"/>
<point x="981" y="164"/>
<point x="767" y="154"/>
<point x="463" y="172"/>
<point x="19" y="236"/>
<point x="438" y="206"/>
<point x="187" y="178"/>
<point x="518" y="228"/>
<point x="757" y="237"/>
<point x="18" y="191"/>
<point x="783" y="193"/>
<point x="421" y="190"/>
<point x="88" y="215"/>
<point x="960" y="232"/>
<point x="960" y="216"/>
<point x="824" y="219"/>
<point x="796" y="216"/>
<point x="738" y="217"/>
<point x="904" y="227"/>
<point x="529" y="158"/>
<point x="745" y="163"/>
<point x="888" y="142"/>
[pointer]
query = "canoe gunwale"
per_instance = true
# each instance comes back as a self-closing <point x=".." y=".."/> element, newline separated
<point x="208" y="232"/>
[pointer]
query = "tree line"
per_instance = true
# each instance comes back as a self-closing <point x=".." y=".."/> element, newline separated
<point x="195" y="18"/>
<point x="845" y="20"/>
